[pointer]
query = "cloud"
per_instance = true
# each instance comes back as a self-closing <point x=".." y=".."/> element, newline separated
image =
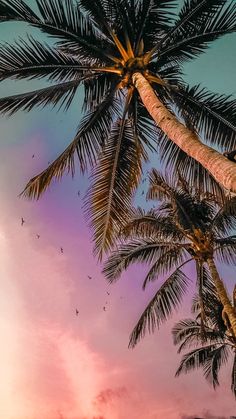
<point x="109" y="395"/>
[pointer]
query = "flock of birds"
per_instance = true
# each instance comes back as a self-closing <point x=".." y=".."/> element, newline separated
<point x="89" y="276"/>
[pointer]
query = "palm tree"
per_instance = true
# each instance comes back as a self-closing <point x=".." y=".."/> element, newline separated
<point x="128" y="56"/>
<point x="211" y="349"/>
<point x="186" y="227"/>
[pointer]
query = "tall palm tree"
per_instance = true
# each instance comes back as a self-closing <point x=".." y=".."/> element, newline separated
<point x="211" y="349"/>
<point x="186" y="227"/>
<point x="128" y="56"/>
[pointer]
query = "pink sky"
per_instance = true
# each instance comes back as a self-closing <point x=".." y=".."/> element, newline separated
<point x="58" y="365"/>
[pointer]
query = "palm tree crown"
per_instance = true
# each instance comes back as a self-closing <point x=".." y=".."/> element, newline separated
<point x="101" y="45"/>
<point x="212" y="348"/>
<point x="186" y="227"/>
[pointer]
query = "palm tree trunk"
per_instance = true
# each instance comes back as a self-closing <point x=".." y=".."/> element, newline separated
<point x="222" y="294"/>
<point x="223" y="170"/>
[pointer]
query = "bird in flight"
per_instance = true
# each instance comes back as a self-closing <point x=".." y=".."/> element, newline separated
<point x="78" y="193"/>
<point x="104" y="308"/>
<point x="37" y="236"/>
<point x="62" y="251"/>
<point x="22" y="221"/>
<point x="89" y="277"/>
<point x="77" y="312"/>
<point x="32" y="156"/>
<point x="108" y="293"/>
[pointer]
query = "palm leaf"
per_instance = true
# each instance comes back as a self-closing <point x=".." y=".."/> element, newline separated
<point x="87" y="143"/>
<point x="61" y="94"/>
<point x="193" y="13"/>
<point x="16" y="10"/>
<point x="212" y="115"/>
<point x="33" y="59"/>
<point x="167" y="298"/>
<point x="113" y="184"/>
<point x="225" y="251"/>
<point x="60" y="19"/>
<point x="211" y="367"/>
<point x="233" y="377"/>
<point x="193" y="40"/>
<point x="151" y="224"/>
<point x="224" y="221"/>
<point x="177" y="161"/>
<point x="195" y="359"/>
<point x="153" y="16"/>
<point x="168" y="258"/>
<point x="137" y="250"/>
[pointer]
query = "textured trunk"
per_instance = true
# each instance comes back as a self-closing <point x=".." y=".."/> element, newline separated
<point x="223" y="170"/>
<point x="222" y="294"/>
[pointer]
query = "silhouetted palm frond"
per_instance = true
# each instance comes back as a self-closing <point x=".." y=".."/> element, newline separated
<point x="167" y="298"/>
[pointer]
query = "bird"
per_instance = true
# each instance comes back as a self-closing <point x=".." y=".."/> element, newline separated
<point x="77" y="312"/>
<point x="22" y="221"/>
<point x="89" y="277"/>
<point x="32" y="156"/>
<point x="104" y="308"/>
<point x="143" y="193"/>
<point x="37" y="236"/>
<point x="108" y="293"/>
<point x="230" y="155"/>
<point x="78" y="193"/>
<point x="62" y="250"/>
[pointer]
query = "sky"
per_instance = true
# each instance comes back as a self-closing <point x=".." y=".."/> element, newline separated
<point x="54" y="364"/>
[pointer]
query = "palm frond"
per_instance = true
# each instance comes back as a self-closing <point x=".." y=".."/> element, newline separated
<point x="167" y="298"/>
<point x="194" y="39"/>
<point x="212" y="115"/>
<point x="195" y="359"/>
<point x="233" y="377"/>
<point x="208" y="291"/>
<point x="33" y="60"/>
<point x="151" y="224"/>
<point x="136" y="250"/>
<point x="60" y="19"/>
<point x="188" y="333"/>
<point x="154" y="16"/>
<point x="188" y="213"/>
<point x="211" y="367"/>
<point x="100" y="14"/>
<point x="167" y="260"/>
<point x="87" y="143"/>
<point x="192" y="14"/>
<point x="224" y="222"/>
<point x="16" y="10"/>
<point x="113" y="184"/>
<point x="225" y="251"/>
<point x="60" y="94"/>
<point x="177" y="161"/>
<point x="96" y="88"/>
